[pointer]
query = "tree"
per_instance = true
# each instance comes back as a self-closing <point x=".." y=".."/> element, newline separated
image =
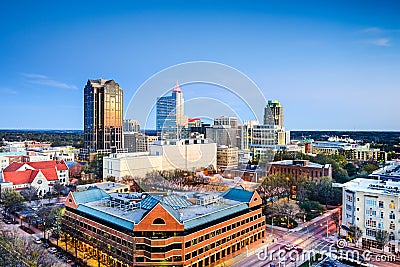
<point x="336" y="219"/>
<point x="58" y="188"/>
<point x="368" y="168"/>
<point x="285" y="208"/>
<point x="382" y="237"/>
<point x="355" y="233"/>
<point x="276" y="186"/>
<point x="12" y="200"/>
<point x="49" y="216"/>
<point x="29" y="193"/>
<point x="19" y="252"/>
<point x="351" y="169"/>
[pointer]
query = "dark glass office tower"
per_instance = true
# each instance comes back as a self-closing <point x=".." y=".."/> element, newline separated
<point x="103" y="108"/>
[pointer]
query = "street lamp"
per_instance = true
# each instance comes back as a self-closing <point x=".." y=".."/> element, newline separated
<point x="287" y="184"/>
<point x="20" y="218"/>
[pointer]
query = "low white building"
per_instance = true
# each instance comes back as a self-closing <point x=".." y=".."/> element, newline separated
<point x="372" y="205"/>
<point x="186" y="154"/>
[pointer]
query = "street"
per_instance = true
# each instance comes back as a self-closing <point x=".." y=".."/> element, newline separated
<point x="293" y="248"/>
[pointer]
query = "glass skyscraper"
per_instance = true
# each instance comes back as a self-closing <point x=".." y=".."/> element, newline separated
<point x="103" y="115"/>
<point x="170" y="117"/>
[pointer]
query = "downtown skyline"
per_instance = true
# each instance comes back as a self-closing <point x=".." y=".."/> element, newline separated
<point x="333" y="66"/>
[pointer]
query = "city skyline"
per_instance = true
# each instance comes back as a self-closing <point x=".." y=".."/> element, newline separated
<point x="333" y="65"/>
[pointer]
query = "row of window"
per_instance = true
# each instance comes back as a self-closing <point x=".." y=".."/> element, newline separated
<point x="223" y="241"/>
<point x="371" y="203"/>
<point x="372" y="213"/>
<point x="206" y="261"/>
<point x="371" y="223"/>
<point x="223" y="230"/>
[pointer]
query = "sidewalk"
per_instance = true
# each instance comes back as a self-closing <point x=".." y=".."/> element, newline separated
<point x="238" y="258"/>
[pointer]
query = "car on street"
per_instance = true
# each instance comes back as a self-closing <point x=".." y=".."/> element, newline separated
<point x="37" y="240"/>
<point x="52" y="250"/>
<point x="46" y="245"/>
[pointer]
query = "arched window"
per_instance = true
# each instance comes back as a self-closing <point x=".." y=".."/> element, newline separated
<point x="158" y="221"/>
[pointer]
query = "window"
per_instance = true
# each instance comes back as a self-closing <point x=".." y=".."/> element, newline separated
<point x="348" y="207"/>
<point x="380" y="225"/>
<point x="392" y="205"/>
<point x="158" y="221"/>
<point x="392" y="216"/>
<point x="380" y="204"/>
<point x="349" y="198"/>
<point x="370" y="223"/>
<point x="370" y="212"/>
<point x="370" y="203"/>
<point x="370" y="232"/>
<point x="392" y="226"/>
<point x="381" y="214"/>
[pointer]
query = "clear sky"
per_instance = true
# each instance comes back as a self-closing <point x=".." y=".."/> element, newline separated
<point x="333" y="64"/>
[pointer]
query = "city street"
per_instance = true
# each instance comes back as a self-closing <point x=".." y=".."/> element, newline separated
<point x="15" y="228"/>
<point x="313" y="237"/>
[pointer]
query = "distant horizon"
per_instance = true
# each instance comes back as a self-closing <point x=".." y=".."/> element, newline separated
<point x="323" y="130"/>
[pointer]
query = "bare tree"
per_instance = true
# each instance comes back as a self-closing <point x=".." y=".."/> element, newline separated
<point x="58" y="188"/>
<point x="29" y="193"/>
<point x="355" y="233"/>
<point x="382" y="237"/>
<point x="18" y="251"/>
<point x="336" y="219"/>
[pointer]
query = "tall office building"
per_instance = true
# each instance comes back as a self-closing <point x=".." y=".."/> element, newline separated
<point x="274" y="112"/>
<point x="273" y="115"/>
<point x="131" y="126"/>
<point x="170" y="118"/>
<point x="224" y="120"/>
<point x="103" y="107"/>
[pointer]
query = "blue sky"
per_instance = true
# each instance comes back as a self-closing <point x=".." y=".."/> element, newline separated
<point x="333" y="64"/>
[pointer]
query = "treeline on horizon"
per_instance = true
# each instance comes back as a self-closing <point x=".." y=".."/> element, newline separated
<point x="385" y="140"/>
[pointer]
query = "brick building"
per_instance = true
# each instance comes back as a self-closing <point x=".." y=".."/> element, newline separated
<point x="298" y="168"/>
<point x="194" y="229"/>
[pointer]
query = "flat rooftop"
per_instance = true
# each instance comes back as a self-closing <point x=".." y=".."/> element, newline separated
<point x="192" y="209"/>
<point x="373" y="186"/>
<point x="290" y="162"/>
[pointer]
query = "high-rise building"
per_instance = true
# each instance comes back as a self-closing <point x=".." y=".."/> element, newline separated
<point x="138" y="142"/>
<point x="273" y="115"/>
<point x="274" y="112"/>
<point x="103" y="107"/>
<point x="170" y="118"/>
<point x="131" y="126"/>
<point x="224" y="120"/>
<point x="260" y="139"/>
<point x="223" y="135"/>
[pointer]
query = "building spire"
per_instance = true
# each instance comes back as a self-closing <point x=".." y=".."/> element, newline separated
<point x="176" y="88"/>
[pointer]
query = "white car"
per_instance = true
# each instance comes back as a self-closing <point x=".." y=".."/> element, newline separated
<point x="37" y="240"/>
<point x="52" y="250"/>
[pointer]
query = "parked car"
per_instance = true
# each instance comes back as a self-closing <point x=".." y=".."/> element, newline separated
<point x="52" y="250"/>
<point x="37" y="240"/>
<point x="46" y="245"/>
